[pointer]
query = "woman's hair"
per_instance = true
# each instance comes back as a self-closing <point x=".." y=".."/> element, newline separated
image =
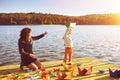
<point x="25" y="32"/>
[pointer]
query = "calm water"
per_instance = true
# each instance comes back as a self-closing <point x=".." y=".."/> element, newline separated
<point x="101" y="42"/>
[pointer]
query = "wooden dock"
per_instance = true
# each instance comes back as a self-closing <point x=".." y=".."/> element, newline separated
<point x="85" y="62"/>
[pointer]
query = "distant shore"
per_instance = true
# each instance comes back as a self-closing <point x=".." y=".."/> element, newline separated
<point x="56" y="19"/>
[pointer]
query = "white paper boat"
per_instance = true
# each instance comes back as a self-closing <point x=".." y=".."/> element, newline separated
<point x="70" y="25"/>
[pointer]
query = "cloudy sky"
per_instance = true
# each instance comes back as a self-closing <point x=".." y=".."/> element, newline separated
<point x="63" y="7"/>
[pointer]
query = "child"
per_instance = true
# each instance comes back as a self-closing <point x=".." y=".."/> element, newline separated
<point x="68" y="43"/>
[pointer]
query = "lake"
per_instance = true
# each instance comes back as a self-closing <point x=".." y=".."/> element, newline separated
<point x="97" y="41"/>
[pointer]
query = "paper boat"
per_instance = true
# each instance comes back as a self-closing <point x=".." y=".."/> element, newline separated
<point x="84" y="71"/>
<point x="43" y="74"/>
<point x="114" y="74"/>
<point x="53" y="72"/>
<point x="69" y="76"/>
<point x="65" y="76"/>
<point x="70" y="25"/>
<point x="60" y="76"/>
<point x="69" y="67"/>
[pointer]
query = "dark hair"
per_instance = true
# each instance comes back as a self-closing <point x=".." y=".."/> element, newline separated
<point x="25" y="33"/>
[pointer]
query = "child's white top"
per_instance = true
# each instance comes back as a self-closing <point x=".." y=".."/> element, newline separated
<point x="68" y="41"/>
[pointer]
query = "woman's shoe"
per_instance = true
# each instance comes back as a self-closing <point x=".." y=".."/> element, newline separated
<point x="21" y="65"/>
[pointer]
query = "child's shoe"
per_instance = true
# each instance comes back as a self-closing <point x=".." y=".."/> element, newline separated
<point x="70" y="63"/>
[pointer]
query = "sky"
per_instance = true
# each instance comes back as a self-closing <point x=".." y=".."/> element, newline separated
<point x="62" y="7"/>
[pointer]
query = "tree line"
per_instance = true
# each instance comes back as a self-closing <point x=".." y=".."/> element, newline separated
<point x="40" y="19"/>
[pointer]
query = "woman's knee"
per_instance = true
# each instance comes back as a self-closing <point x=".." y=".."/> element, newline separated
<point x="33" y="66"/>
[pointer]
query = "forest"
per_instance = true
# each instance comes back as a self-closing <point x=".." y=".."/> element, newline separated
<point x="56" y="19"/>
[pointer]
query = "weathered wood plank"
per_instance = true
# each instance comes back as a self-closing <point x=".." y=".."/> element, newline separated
<point x="85" y="63"/>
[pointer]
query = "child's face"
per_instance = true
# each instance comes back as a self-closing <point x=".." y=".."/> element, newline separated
<point x="69" y="31"/>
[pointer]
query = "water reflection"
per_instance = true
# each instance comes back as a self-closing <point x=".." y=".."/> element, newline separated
<point x="101" y="42"/>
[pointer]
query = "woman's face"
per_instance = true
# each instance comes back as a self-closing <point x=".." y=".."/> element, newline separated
<point x="29" y="36"/>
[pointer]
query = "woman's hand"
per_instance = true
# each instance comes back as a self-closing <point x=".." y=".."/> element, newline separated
<point x="32" y="55"/>
<point x="45" y="33"/>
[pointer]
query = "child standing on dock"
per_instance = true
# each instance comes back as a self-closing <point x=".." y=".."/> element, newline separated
<point x="68" y="43"/>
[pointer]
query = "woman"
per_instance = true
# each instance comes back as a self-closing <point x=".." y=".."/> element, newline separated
<point x="25" y="49"/>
